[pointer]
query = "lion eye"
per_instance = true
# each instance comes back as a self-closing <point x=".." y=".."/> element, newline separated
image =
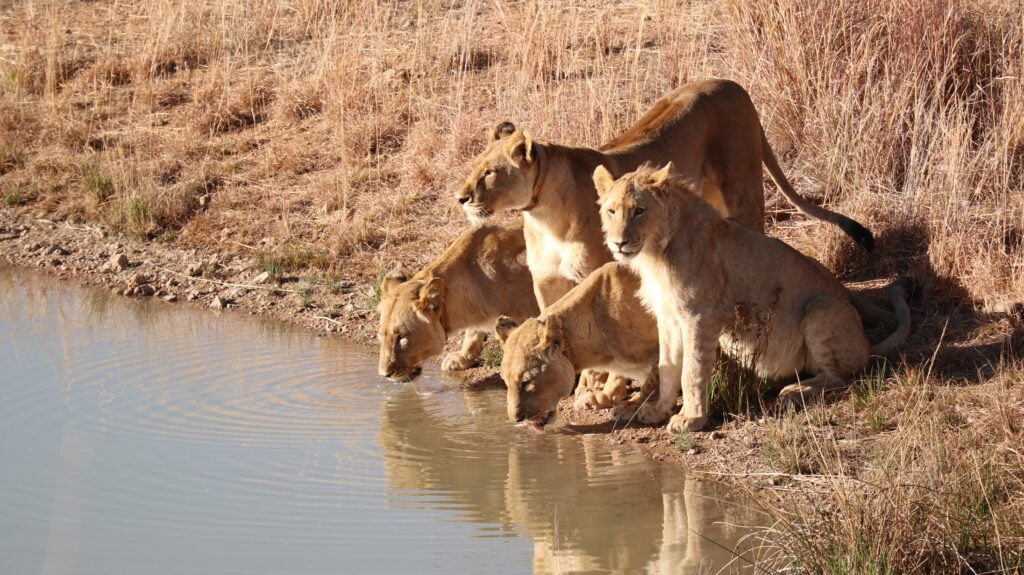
<point x="488" y="173"/>
<point x="639" y="212"/>
<point x="611" y="212"/>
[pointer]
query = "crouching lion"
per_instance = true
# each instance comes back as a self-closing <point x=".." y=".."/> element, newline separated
<point x="711" y="282"/>
<point x="481" y="276"/>
<point x="599" y="324"/>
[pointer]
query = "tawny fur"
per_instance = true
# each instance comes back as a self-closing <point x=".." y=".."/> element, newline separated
<point x="481" y="276"/>
<point x="600" y="324"/>
<point x="711" y="282"/>
<point x="709" y="129"/>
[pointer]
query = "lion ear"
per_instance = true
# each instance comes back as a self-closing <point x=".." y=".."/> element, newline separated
<point x="519" y="148"/>
<point x="603" y="181"/>
<point x="553" y="333"/>
<point x="432" y="294"/>
<point x="391" y="281"/>
<point x="664" y="175"/>
<point x="502" y="131"/>
<point x="503" y="328"/>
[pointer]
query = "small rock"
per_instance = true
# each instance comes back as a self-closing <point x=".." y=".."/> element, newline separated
<point x="219" y="303"/>
<point x="170" y="298"/>
<point x="717" y="435"/>
<point x="194" y="270"/>
<point x="261" y="279"/>
<point x="129" y="291"/>
<point x="58" y="250"/>
<point x="204" y="200"/>
<point x="144" y="290"/>
<point x="349" y="307"/>
<point x="777" y="480"/>
<point x="693" y="451"/>
<point x="117" y="263"/>
<point x="140" y="279"/>
<point x="192" y="296"/>
<point x="56" y="262"/>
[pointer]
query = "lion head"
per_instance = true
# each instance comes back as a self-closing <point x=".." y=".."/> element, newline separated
<point x="502" y="177"/>
<point x="410" y="330"/>
<point x="535" y="368"/>
<point x="631" y="208"/>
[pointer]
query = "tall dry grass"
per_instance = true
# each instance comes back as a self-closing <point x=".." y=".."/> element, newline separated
<point x="330" y="134"/>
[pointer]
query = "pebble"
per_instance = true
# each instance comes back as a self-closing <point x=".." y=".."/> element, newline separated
<point x="194" y="270"/>
<point x="219" y="303"/>
<point x="693" y="451"/>
<point x="717" y="435"/>
<point x="117" y="262"/>
<point x="261" y="278"/>
<point x="192" y="296"/>
<point x="140" y="279"/>
<point x="144" y="290"/>
<point x="170" y="298"/>
<point x="58" y="250"/>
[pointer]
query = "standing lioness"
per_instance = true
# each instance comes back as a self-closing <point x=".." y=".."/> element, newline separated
<point x="712" y="282"/>
<point x="709" y="129"/>
<point x="479" y="277"/>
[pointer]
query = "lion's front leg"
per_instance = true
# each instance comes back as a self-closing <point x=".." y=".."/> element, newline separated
<point x="670" y="367"/>
<point x="465" y="358"/>
<point x="700" y="349"/>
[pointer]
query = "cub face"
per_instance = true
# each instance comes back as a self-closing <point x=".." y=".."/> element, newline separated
<point x="630" y="208"/>
<point x="501" y="178"/>
<point x="536" y="372"/>
<point x="410" y="330"/>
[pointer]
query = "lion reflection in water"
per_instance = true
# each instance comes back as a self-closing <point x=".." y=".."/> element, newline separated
<point x="557" y="489"/>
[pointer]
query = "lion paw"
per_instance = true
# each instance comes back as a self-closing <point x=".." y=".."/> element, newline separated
<point x="681" y="423"/>
<point x="457" y="362"/>
<point x="592" y="400"/>
<point x="652" y="414"/>
<point x="796" y="394"/>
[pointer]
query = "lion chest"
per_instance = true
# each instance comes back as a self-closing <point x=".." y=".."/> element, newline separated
<point x="547" y="255"/>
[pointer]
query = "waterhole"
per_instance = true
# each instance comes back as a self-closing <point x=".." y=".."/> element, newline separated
<point x="143" y="437"/>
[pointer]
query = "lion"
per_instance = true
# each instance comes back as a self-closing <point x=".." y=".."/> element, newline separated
<point x="600" y="324"/>
<point x="712" y="283"/>
<point x="481" y="276"/>
<point x="710" y="130"/>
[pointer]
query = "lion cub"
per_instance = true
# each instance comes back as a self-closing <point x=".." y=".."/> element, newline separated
<point x="600" y="324"/>
<point x="712" y="282"/>
<point x="481" y="276"/>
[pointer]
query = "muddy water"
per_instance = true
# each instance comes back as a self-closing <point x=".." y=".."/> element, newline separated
<point x="140" y="437"/>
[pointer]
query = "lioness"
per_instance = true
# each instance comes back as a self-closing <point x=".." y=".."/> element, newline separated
<point x="481" y="276"/>
<point x="712" y="282"/>
<point x="599" y="324"/>
<point x="709" y="129"/>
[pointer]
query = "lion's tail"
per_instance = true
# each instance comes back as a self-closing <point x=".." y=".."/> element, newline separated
<point x="855" y="230"/>
<point x="897" y="296"/>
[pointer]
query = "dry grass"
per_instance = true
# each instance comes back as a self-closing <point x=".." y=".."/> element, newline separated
<point x="936" y="490"/>
<point x="329" y="135"/>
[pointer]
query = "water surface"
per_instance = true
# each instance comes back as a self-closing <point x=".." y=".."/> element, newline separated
<point x="142" y="437"/>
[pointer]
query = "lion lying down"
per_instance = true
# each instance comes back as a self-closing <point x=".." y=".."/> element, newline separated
<point x="711" y="282"/>
<point x="481" y="276"/>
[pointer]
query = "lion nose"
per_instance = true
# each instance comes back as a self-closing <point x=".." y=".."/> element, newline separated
<point x="621" y="244"/>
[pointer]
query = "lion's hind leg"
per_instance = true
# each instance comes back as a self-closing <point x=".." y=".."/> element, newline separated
<point x="836" y="348"/>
